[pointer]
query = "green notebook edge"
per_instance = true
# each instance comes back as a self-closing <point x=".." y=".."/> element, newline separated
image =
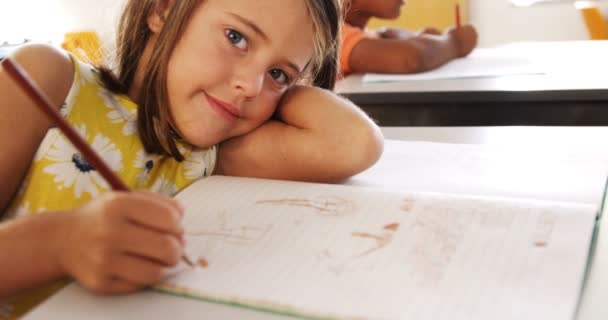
<point x="275" y="311"/>
<point x="592" y="246"/>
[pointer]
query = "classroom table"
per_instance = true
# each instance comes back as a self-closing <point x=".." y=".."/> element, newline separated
<point x="572" y="91"/>
<point x="574" y="166"/>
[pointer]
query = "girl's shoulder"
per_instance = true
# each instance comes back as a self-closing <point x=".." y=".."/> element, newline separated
<point x="50" y="67"/>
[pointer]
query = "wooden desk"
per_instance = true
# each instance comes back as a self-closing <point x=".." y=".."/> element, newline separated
<point x="541" y="168"/>
<point x="573" y="92"/>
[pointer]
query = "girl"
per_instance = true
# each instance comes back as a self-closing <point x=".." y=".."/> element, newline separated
<point x="203" y="87"/>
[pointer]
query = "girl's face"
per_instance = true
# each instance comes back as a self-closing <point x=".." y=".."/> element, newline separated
<point x="233" y="63"/>
<point x="385" y="9"/>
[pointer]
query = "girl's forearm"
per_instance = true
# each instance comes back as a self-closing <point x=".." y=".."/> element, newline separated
<point x="29" y="251"/>
<point x="321" y="111"/>
<point x="318" y="137"/>
<point x="336" y="123"/>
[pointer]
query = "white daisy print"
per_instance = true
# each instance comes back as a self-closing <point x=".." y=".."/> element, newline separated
<point x="67" y="106"/>
<point x="119" y="113"/>
<point x="195" y="165"/>
<point x="71" y="169"/>
<point x="145" y="162"/>
<point x="164" y="186"/>
<point x="88" y="74"/>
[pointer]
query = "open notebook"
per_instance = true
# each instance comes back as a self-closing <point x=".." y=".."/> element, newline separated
<point x="324" y="251"/>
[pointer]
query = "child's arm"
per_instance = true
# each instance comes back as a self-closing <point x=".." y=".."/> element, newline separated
<point x="119" y="242"/>
<point x="397" y="33"/>
<point x="22" y="125"/>
<point x="419" y="53"/>
<point x="19" y="139"/>
<point x="111" y="244"/>
<point x="321" y="137"/>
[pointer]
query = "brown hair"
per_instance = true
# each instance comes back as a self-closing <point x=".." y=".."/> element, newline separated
<point x="153" y="119"/>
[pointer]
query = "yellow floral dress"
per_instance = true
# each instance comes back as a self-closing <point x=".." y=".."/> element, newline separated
<point x="60" y="179"/>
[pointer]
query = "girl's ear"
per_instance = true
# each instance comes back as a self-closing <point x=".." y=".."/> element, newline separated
<point x="159" y="14"/>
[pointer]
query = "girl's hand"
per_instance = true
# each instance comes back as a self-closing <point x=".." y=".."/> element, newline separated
<point x="121" y="241"/>
<point x="465" y="38"/>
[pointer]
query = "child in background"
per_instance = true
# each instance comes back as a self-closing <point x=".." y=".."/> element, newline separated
<point x="202" y="87"/>
<point x="395" y="50"/>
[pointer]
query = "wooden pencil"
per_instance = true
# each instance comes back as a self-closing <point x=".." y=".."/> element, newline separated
<point x="457" y="13"/>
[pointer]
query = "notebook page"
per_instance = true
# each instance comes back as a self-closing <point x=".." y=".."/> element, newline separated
<point x="355" y="253"/>
<point x="482" y="62"/>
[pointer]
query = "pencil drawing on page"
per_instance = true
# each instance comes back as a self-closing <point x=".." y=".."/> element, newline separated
<point x="202" y="263"/>
<point x="407" y="204"/>
<point x="323" y="205"/>
<point x="233" y="231"/>
<point x="344" y="262"/>
<point x="380" y="240"/>
<point x="438" y="232"/>
<point x="544" y="229"/>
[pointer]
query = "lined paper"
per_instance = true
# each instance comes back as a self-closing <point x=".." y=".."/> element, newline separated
<point x="332" y="251"/>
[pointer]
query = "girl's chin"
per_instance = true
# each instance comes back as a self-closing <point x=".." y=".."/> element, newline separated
<point x="194" y="138"/>
<point x="204" y="145"/>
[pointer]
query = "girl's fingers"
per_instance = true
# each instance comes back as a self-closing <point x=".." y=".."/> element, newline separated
<point x="118" y="286"/>
<point x="136" y="271"/>
<point x="175" y="203"/>
<point x="165" y="249"/>
<point x="152" y="211"/>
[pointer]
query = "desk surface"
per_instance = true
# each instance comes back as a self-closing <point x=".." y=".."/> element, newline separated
<point x="572" y="92"/>
<point x="573" y="170"/>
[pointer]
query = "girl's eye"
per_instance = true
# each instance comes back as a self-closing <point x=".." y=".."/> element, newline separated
<point x="279" y="76"/>
<point x="236" y="38"/>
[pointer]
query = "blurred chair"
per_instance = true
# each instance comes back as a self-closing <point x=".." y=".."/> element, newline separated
<point x="594" y="19"/>
<point x="84" y="45"/>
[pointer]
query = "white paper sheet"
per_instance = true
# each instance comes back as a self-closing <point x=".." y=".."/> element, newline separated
<point x="482" y="62"/>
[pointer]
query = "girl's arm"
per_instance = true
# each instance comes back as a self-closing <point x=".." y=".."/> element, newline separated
<point x="22" y="124"/>
<point x="25" y="246"/>
<point x="418" y="53"/>
<point x="320" y="137"/>
<point x="29" y="248"/>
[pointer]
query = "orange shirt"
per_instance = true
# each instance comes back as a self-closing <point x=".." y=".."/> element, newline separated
<point x="350" y="38"/>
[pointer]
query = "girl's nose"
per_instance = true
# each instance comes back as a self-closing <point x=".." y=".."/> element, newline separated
<point x="249" y="82"/>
